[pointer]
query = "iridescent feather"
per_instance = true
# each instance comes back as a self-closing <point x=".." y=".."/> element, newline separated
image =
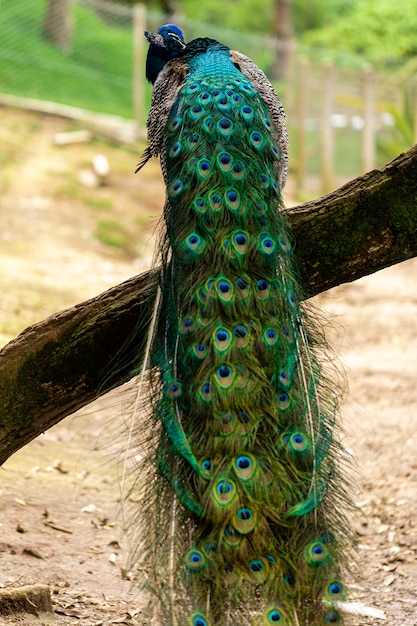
<point x="241" y="510"/>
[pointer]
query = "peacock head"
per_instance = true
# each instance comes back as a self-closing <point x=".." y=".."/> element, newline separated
<point x="169" y="37"/>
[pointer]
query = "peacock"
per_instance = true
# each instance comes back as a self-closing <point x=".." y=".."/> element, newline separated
<point x="242" y="502"/>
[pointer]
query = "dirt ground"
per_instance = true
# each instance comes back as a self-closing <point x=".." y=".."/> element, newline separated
<point x="60" y="518"/>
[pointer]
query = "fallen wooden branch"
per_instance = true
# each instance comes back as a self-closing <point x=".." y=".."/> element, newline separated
<point x="57" y="366"/>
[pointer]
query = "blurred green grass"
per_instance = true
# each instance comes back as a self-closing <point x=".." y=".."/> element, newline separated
<point x="96" y="74"/>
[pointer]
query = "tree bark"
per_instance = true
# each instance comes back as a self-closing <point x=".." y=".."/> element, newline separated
<point x="58" y="23"/>
<point x="57" y="366"/>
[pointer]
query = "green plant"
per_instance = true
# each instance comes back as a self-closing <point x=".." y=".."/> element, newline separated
<point x="403" y="134"/>
<point x="112" y="233"/>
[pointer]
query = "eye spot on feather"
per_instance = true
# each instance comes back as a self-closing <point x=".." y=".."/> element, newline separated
<point x="193" y="139"/>
<point x="262" y="289"/>
<point x="261" y="208"/>
<point x="267" y="244"/>
<point x="216" y="201"/>
<point x="274" y="615"/>
<point x="200" y="350"/>
<point x="289" y="579"/>
<point x="203" y="168"/>
<point x="245" y="419"/>
<point x="176" y="149"/>
<point x="206" y="465"/>
<point x="335" y="591"/>
<point x="196" y="112"/>
<point x="174" y="390"/>
<point x="224" y="287"/>
<point x="244" y="514"/>
<point x="224" y="161"/>
<point x="224" y="371"/>
<point x="244" y="520"/>
<point x="222" y="339"/>
<point x="225" y="127"/>
<point x="195" y="560"/>
<point x="247" y="88"/>
<point x="193" y="246"/>
<point x="175" y="188"/>
<point x="208" y="124"/>
<point x="224" y="492"/>
<point x="284" y="379"/>
<point x="284" y="244"/>
<point x="238" y="170"/>
<point x="240" y="239"/>
<point x="331" y="617"/>
<point x="206" y="392"/>
<point x="209" y="548"/>
<point x="244" y="462"/>
<point x="223" y="103"/>
<point x="292" y="300"/>
<point x="270" y="337"/>
<point x="256" y="140"/>
<point x="233" y="201"/>
<point x="225" y="422"/>
<point x="242" y="285"/>
<point x="247" y="113"/>
<point x="174" y="124"/>
<point x="244" y="465"/>
<point x="206" y="469"/>
<point x="283" y="401"/>
<point x="187" y="326"/>
<point x="258" y="570"/>
<point x="296" y="442"/>
<point x="200" y="205"/>
<point x="197" y="619"/>
<point x="241" y="335"/>
<point x="224" y="376"/>
<point x="256" y="565"/>
<point x="232" y="539"/>
<point x="224" y="290"/>
<point x="316" y="554"/>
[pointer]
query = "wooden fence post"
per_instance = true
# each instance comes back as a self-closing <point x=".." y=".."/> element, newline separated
<point x="415" y="110"/>
<point x="327" y="143"/>
<point x="139" y="26"/>
<point x="301" y="124"/>
<point x="368" y="132"/>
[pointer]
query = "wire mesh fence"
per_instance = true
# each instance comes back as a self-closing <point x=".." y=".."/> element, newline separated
<point x="94" y="59"/>
<point x="93" y="71"/>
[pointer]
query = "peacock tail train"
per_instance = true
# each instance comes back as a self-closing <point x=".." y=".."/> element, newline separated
<point x="242" y="499"/>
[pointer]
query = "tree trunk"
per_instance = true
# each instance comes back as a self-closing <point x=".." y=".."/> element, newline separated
<point x="283" y="31"/>
<point x="59" y="365"/>
<point x="58" y="23"/>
